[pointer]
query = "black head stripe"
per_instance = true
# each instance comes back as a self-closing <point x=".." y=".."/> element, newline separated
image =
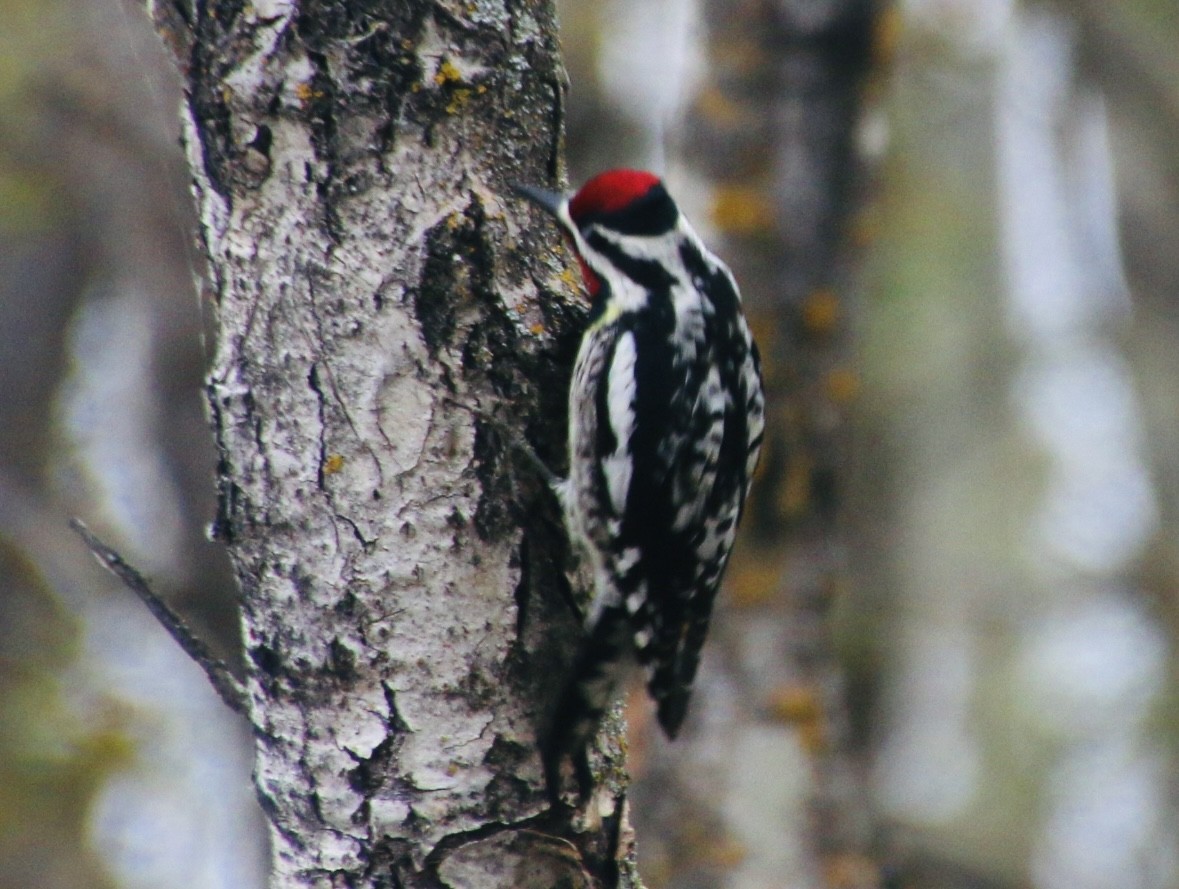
<point x="652" y="214"/>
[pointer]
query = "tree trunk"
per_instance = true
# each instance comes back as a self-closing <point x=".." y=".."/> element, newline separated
<point x="379" y="296"/>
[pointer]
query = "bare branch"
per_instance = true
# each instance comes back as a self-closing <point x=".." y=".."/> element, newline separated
<point x="231" y="691"/>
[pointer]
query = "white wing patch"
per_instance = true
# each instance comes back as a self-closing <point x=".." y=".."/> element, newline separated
<point x="620" y="404"/>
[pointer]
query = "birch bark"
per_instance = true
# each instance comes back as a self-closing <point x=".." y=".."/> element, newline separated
<point x="378" y="297"/>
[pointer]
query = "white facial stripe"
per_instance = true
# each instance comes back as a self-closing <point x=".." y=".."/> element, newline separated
<point x="567" y="221"/>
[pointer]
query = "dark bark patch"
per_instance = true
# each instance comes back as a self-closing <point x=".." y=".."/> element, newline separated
<point x="212" y="115"/>
<point x="341" y="661"/>
<point x="390" y="859"/>
<point x="508" y="793"/>
<point x="266" y="660"/>
<point x="434" y="300"/>
<point x="494" y="511"/>
<point x="229" y="495"/>
<point x="371" y="773"/>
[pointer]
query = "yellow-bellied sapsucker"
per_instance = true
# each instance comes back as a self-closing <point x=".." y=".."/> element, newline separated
<point x="666" y="414"/>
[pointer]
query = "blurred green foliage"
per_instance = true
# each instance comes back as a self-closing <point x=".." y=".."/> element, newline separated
<point x="33" y="41"/>
<point x="51" y="763"/>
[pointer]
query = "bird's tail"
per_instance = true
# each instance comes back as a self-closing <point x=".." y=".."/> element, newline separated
<point x="674" y="673"/>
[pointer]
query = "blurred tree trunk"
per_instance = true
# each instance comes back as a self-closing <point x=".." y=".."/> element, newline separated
<point x="1130" y="56"/>
<point x="373" y="287"/>
<point x="772" y="780"/>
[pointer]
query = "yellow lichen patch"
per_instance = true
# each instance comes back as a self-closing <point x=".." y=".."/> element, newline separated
<point x="842" y="385"/>
<point x="821" y="311"/>
<point x="569" y="279"/>
<point x="536" y="329"/>
<point x="742" y="210"/>
<point x="850" y="870"/>
<point x="799" y="704"/>
<point x="332" y="464"/>
<point x="305" y="93"/>
<point x="457" y="101"/>
<point x="447" y="73"/>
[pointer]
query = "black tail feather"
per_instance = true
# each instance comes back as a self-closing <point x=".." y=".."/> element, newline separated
<point x="671" y="710"/>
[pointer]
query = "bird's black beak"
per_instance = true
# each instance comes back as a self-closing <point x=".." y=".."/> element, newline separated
<point x="549" y="201"/>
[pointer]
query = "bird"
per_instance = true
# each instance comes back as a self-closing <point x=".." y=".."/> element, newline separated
<point x="666" y="421"/>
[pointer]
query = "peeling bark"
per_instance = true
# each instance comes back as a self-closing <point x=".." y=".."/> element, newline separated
<point x="404" y="596"/>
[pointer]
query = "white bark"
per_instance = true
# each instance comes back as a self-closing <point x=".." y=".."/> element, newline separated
<point x="377" y="292"/>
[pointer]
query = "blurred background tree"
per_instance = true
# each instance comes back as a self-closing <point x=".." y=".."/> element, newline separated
<point x="117" y="767"/>
<point x="1007" y="568"/>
